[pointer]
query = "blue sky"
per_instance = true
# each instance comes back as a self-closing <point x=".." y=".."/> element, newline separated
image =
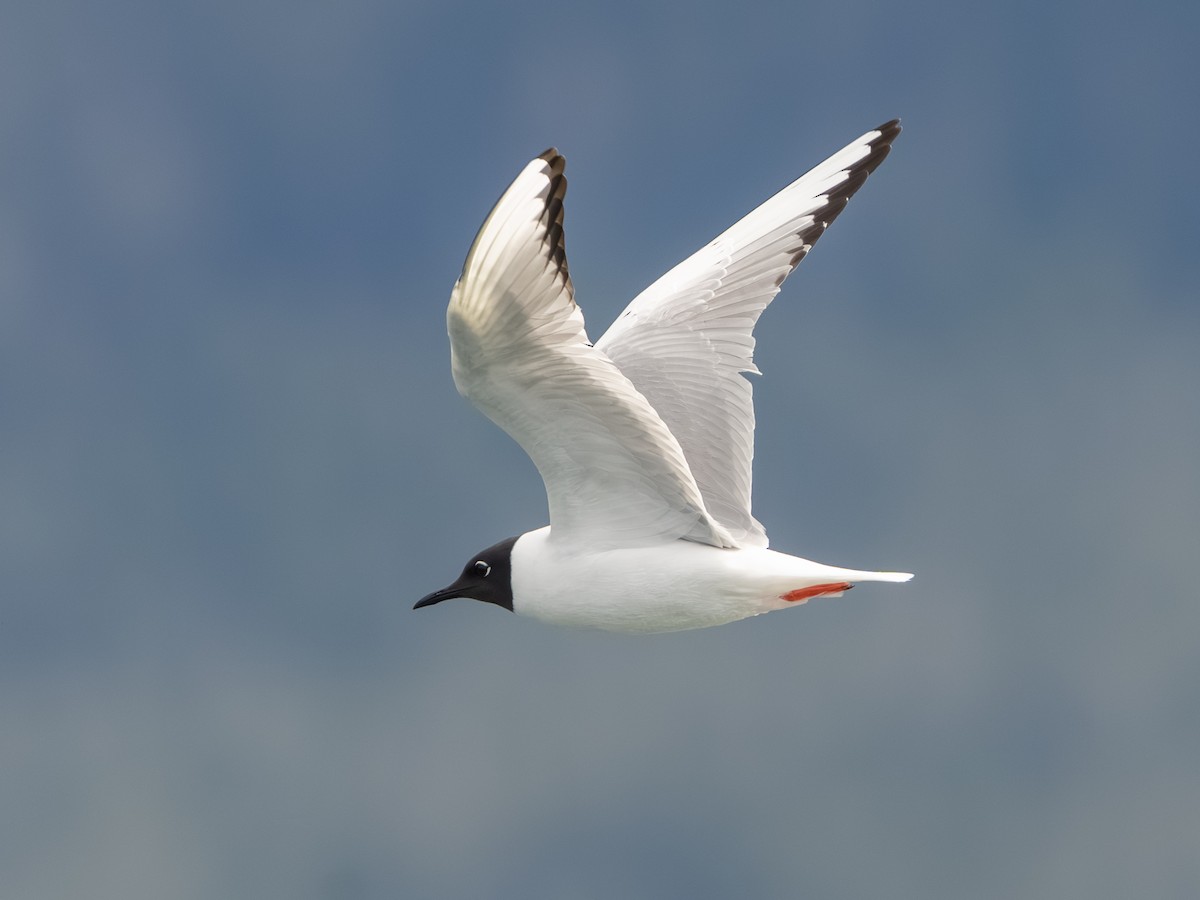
<point x="233" y="455"/>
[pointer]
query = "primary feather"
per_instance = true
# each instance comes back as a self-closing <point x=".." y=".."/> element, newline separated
<point x="685" y="341"/>
<point x="649" y="435"/>
<point x="615" y="476"/>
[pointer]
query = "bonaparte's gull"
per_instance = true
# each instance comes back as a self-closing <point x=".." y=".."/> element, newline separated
<point x="645" y="439"/>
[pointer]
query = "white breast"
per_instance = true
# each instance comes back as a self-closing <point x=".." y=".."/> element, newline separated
<point x="669" y="587"/>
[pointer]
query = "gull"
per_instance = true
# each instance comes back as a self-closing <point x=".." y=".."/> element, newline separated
<point x="644" y="440"/>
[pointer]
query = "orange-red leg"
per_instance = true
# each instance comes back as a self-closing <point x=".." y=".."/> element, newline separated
<point x="799" y="596"/>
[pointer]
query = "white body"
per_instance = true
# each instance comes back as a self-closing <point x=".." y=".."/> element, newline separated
<point x="669" y="587"/>
<point x="644" y="439"/>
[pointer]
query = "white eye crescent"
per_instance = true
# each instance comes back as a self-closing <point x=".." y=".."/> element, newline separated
<point x="482" y="569"/>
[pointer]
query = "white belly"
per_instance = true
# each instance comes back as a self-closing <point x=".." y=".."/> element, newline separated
<point x="668" y="587"/>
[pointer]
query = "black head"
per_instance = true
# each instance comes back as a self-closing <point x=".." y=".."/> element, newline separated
<point x="487" y="576"/>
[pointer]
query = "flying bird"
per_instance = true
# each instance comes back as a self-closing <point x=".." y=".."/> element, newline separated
<point x="644" y="440"/>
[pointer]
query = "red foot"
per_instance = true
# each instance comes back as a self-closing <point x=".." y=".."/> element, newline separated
<point x="816" y="590"/>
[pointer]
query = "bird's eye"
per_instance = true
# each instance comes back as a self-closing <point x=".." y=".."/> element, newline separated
<point x="482" y="569"/>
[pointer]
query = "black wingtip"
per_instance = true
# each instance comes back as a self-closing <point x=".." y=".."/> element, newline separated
<point x="553" y="217"/>
<point x="880" y="145"/>
<point x="553" y="158"/>
<point x="889" y="130"/>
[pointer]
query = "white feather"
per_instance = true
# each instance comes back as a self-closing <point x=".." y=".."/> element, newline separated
<point x="685" y="341"/>
<point x="615" y="476"/>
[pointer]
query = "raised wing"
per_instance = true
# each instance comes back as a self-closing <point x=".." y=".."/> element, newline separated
<point x="614" y="474"/>
<point x="685" y="341"/>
